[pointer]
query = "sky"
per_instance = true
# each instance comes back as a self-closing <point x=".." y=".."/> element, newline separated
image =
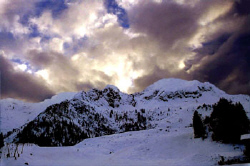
<point x="53" y="46"/>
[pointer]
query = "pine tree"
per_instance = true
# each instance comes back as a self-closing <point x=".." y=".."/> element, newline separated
<point x="111" y="113"/>
<point x="228" y="121"/>
<point x="199" y="129"/>
<point x="1" y="140"/>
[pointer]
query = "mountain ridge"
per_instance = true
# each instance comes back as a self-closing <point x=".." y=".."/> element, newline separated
<point x="102" y="112"/>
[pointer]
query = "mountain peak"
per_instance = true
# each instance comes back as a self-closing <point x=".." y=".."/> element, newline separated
<point x="175" y="84"/>
<point x="114" y="88"/>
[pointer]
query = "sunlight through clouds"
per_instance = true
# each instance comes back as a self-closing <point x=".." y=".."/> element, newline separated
<point x="44" y="74"/>
<point x="21" y="67"/>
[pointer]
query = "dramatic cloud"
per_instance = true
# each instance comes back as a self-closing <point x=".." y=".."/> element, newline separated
<point x="224" y="58"/>
<point x="74" y="45"/>
<point x="64" y="74"/>
<point x="17" y="84"/>
<point x="166" y="22"/>
<point x="213" y="32"/>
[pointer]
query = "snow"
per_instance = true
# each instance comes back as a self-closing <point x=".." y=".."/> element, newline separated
<point x="15" y="113"/>
<point x="174" y="84"/>
<point x="150" y="147"/>
<point x="245" y="137"/>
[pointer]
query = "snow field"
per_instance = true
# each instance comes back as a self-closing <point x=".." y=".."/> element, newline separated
<point x="148" y="147"/>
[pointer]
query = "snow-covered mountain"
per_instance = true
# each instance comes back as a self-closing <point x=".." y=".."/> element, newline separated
<point x="162" y="112"/>
<point x="167" y="102"/>
<point x="15" y="113"/>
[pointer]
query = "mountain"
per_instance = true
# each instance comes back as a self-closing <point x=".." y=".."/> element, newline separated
<point x="15" y="113"/>
<point x="168" y="103"/>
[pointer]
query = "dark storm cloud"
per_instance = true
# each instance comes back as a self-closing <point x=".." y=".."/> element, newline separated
<point x="157" y="74"/>
<point x="211" y="47"/>
<point x="223" y="58"/>
<point x="166" y="22"/>
<point x="39" y="59"/>
<point x="228" y="68"/>
<point x="208" y="48"/>
<point x="242" y="7"/>
<point x="21" y="85"/>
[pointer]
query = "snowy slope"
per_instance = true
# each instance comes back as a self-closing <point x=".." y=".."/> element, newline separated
<point x="15" y="113"/>
<point x="148" y="147"/>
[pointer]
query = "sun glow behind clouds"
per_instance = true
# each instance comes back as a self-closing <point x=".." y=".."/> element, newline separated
<point x="121" y="70"/>
<point x="181" y="65"/>
<point x="22" y="67"/>
<point x="124" y="84"/>
<point x="44" y="74"/>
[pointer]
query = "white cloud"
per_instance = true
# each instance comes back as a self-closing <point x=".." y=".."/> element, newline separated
<point x="43" y="73"/>
<point x="17" y="29"/>
<point x="21" y="67"/>
<point x="77" y="21"/>
<point x="56" y="44"/>
<point x="127" y="4"/>
<point x="45" y="23"/>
